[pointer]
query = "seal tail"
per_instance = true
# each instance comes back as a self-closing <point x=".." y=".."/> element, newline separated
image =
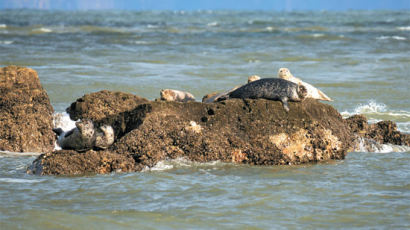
<point x="323" y="96"/>
<point x="223" y="97"/>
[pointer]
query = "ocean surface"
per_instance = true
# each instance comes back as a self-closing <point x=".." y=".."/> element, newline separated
<point x="361" y="59"/>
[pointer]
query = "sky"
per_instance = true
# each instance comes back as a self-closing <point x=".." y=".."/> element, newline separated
<point x="280" y="5"/>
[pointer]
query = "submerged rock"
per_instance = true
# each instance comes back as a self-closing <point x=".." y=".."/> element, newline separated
<point x="26" y="113"/>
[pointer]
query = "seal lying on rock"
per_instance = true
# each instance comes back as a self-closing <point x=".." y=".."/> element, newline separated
<point x="313" y="92"/>
<point x="212" y="97"/>
<point x="176" y="95"/>
<point x="104" y="137"/>
<point x="85" y="136"/>
<point x="270" y="88"/>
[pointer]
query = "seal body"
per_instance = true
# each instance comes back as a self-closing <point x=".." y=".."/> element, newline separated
<point x="273" y="89"/>
<point x="313" y="92"/>
<point x="85" y="136"/>
<point x="176" y="95"/>
<point x="80" y="138"/>
<point x="104" y="137"/>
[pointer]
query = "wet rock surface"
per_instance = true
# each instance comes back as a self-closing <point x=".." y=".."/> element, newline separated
<point x="383" y="132"/>
<point x="26" y="113"/>
<point x="258" y="132"/>
<point x="70" y="162"/>
<point x="102" y="104"/>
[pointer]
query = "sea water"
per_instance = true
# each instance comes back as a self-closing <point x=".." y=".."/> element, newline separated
<point x="361" y="59"/>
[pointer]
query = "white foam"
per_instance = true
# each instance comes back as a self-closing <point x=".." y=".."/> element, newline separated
<point x="43" y="30"/>
<point x="405" y="28"/>
<point x="149" y="26"/>
<point x="16" y="180"/>
<point x="399" y="38"/>
<point x="63" y="121"/>
<point x="376" y="112"/>
<point x="6" y="42"/>
<point x="269" y="29"/>
<point x="178" y="162"/>
<point x="372" y="146"/>
<point x="318" y="35"/>
<point x="213" y="24"/>
<point x="371" y="107"/>
<point x="2" y="26"/>
<point x="141" y="42"/>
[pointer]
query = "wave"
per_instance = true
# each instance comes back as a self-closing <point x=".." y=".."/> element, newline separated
<point x="398" y="38"/>
<point x="2" y="26"/>
<point x="376" y="112"/>
<point x="16" y="180"/>
<point x="404" y="28"/>
<point x="6" y="42"/>
<point x="180" y="162"/>
<point x="43" y="30"/>
<point x="213" y="24"/>
<point x="365" y="145"/>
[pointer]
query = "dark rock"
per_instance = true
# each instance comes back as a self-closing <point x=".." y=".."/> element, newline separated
<point x="258" y="132"/>
<point x="102" y="104"/>
<point x="383" y="132"/>
<point x="26" y="113"/>
<point x="69" y="162"/>
<point x="107" y="108"/>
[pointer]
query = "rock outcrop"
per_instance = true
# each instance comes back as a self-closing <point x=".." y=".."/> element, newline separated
<point x="372" y="136"/>
<point x="107" y="108"/>
<point x="26" y="113"/>
<point x="69" y="162"/>
<point x="102" y="104"/>
<point x="258" y="132"/>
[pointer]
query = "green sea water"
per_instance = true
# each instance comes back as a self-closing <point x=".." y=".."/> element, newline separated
<point x="361" y="59"/>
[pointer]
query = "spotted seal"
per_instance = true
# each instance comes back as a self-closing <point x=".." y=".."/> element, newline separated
<point x="313" y="92"/>
<point x="270" y="88"/>
<point x="85" y="136"/>
<point x="104" y="137"/>
<point x="176" y="95"/>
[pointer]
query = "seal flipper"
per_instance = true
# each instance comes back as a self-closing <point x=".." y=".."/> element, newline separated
<point x="285" y="104"/>
<point x="58" y="131"/>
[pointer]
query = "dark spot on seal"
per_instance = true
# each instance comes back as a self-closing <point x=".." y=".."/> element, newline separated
<point x="204" y="119"/>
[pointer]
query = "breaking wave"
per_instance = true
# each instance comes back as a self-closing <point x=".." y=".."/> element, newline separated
<point x="398" y="38"/>
<point x="180" y="162"/>
<point x="365" y="145"/>
<point x="404" y="28"/>
<point x="16" y="180"/>
<point x="376" y="112"/>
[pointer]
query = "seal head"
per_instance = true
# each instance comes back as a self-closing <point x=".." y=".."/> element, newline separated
<point x="312" y="92"/>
